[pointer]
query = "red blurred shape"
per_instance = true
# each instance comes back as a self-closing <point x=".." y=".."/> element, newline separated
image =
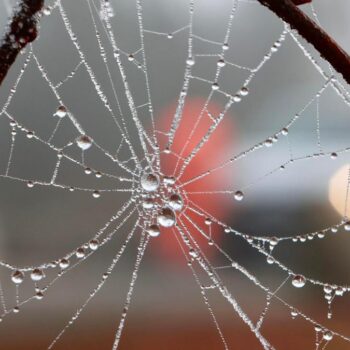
<point x="216" y="150"/>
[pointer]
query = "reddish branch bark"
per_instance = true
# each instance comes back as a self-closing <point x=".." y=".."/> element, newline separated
<point x="22" y="30"/>
<point x="310" y="31"/>
<point x="301" y="2"/>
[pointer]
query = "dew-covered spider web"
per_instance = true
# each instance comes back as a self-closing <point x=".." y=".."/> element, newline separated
<point x="207" y="138"/>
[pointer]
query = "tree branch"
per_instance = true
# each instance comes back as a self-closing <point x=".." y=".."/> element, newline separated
<point x="22" y="30"/>
<point x="310" y="31"/>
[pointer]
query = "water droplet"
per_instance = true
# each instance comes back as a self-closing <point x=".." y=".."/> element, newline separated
<point x="84" y="142"/>
<point x="321" y="235"/>
<point x="169" y="180"/>
<point x="36" y="275"/>
<point x="225" y="46"/>
<point x="148" y="203"/>
<point x="298" y="281"/>
<point x="98" y="174"/>
<point x="16" y="309"/>
<point x="318" y="328"/>
<point x="215" y="86"/>
<point x="328" y="335"/>
<point x="190" y="61"/>
<point x="208" y="221"/>
<point x="64" y="263"/>
<point x="30" y="184"/>
<point x="166" y="217"/>
<point x="334" y="155"/>
<point x="87" y="171"/>
<point x="347" y="226"/>
<point x="96" y="194"/>
<point x="193" y="253"/>
<point x="268" y="142"/>
<point x="93" y="244"/>
<point x="39" y="295"/>
<point x="270" y="260"/>
<point x="238" y="196"/>
<point x="284" y="131"/>
<point x="328" y="297"/>
<point x="47" y="11"/>
<point x="221" y="63"/>
<point x="30" y="134"/>
<point x="339" y="291"/>
<point x="61" y="112"/>
<point x="294" y="313"/>
<point x="175" y="202"/>
<point x="237" y="98"/>
<point x="244" y="91"/>
<point x="17" y="277"/>
<point x="150" y="182"/>
<point x="170" y="36"/>
<point x="80" y="253"/>
<point x="153" y="230"/>
<point x="131" y="57"/>
<point x="274" y="48"/>
<point x="327" y="289"/>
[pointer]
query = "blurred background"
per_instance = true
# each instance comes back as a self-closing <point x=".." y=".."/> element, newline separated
<point x="42" y="224"/>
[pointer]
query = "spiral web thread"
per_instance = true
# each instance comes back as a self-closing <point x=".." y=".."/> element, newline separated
<point x="132" y="168"/>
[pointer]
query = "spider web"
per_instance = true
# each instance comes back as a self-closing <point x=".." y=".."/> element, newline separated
<point x="126" y="151"/>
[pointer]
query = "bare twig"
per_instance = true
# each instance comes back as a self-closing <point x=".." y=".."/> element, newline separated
<point x="22" y="30"/>
<point x="310" y="31"/>
<point x="301" y="2"/>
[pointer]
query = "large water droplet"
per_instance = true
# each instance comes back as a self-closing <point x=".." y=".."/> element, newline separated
<point x="96" y="194"/>
<point x="239" y="196"/>
<point x="149" y="182"/>
<point x="221" y="63"/>
<point x="17" y="277"/>
<point x="244" y="91"/>
<point x="328" y="335"/>
<point x="175" y="202"/>
<point x="30" y="184"/>
<point x="61" y="112"/>
<point x="166" y="217"/>
<point x="64" y="263"/>
<point x="298" y="281"/>
<point x="36" y="275"/>
<point x="39" y="295"/>
<point x="80" y="253"/>
<point x="84" y="142"/>
<point x="93" y="244"/>
<point x="153" y="230"/>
